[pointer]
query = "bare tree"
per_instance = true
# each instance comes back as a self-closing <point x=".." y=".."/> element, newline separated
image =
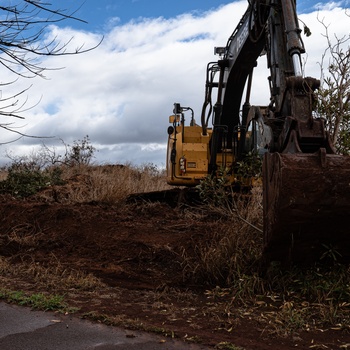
<point x="23" y="43"/>
<point x="334" y="95"/>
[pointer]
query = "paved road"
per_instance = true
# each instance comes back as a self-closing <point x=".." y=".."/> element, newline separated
<point x="23" y="329"/>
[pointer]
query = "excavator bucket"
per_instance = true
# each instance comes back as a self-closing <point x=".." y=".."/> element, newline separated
<point x="306" y="207"/>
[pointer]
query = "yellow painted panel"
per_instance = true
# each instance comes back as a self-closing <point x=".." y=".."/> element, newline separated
<point x="197" y="147"/>
<point x="194" y="134"/>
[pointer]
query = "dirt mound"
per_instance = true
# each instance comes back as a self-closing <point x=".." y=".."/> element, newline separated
<point x="124" y="265"/>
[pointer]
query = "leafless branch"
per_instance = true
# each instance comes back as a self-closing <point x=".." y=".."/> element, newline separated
<point x="24" y="25"/>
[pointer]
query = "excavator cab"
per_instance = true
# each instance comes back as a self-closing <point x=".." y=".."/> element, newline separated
<point x="187" y="151"/>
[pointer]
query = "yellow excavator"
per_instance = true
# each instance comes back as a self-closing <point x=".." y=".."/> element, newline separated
<point x="306" y="185"/>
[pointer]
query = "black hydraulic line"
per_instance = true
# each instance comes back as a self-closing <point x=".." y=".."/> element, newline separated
<point x="212" y="68"/>
<point x="245" y="111"/>
<point x="217" y="129"/>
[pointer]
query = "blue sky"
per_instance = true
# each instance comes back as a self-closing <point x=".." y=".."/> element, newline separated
<point x="99" y="13"/>
<point x="122" y="93"/>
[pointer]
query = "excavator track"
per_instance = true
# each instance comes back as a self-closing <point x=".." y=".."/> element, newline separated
<point x="174" y="197"/>
<point x="306" y="207"/>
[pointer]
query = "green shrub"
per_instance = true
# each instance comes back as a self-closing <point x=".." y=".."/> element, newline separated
<point x="25" y="180"/>
<point x="250" y="166"/>
<point x="214" y="189"/>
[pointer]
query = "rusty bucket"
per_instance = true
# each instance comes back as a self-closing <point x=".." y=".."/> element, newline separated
<point x="306" y="207"/>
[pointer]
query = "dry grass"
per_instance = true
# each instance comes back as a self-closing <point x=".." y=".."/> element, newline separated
<point x="25" y="234"/>
<point x="3" y="174"/>
<point x="107" y="183"/>
<point x="235" y="246"/>
<point x="53" y="277"/>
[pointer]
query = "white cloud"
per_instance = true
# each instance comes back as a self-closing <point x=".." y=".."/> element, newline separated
<point x="329" y="5"/>
<point x="121" y="93"/>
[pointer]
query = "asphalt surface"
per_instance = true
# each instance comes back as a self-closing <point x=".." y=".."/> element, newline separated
<point x="24" y="329"/>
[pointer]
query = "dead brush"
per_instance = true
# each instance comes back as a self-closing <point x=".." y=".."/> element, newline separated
<point x="5" y="266"/>
<point x="230" y="256"/>
<point x="25" y="234"/>
<point x="55" y="276"/>
<point x="105" y="183"/>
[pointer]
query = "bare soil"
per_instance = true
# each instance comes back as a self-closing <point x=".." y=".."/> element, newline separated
<point x="132" y="256"/>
